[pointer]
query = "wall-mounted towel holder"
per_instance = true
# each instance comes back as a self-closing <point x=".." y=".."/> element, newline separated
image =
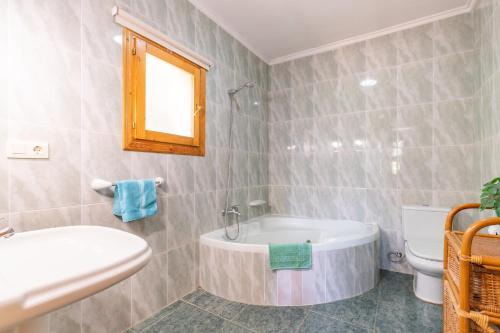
<point x="101" y="184"/>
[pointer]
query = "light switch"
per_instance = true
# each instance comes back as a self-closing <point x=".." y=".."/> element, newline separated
<point x="27" y="149"/>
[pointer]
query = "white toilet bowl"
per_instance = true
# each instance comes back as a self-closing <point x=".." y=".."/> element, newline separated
<point x="423" y="230"/>
<point x="428" y="277"/>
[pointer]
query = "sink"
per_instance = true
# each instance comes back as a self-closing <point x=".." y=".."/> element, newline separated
<point x="43" y="270"/>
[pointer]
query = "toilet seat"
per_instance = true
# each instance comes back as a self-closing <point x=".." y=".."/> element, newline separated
<point x="430" y="249"/>
<point x="431" y="267"/>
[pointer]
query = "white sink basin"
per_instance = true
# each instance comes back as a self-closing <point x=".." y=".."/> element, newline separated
<point x="46" y="269"/>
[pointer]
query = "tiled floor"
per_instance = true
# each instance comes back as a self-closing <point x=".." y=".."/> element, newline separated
<point x="390" y="307"/>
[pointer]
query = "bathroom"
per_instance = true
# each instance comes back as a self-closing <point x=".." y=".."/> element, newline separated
<point x="325" y="121"/>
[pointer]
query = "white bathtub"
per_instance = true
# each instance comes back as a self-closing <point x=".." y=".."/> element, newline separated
<point x="345" y="261"/>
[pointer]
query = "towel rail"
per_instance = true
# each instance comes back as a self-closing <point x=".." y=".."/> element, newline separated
<point x="101" y="184"/>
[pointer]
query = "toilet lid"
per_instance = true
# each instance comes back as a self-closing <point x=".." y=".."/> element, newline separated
<point x="430" y="249"/>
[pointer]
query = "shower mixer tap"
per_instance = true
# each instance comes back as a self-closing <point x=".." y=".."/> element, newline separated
<point x="235" y="210"/>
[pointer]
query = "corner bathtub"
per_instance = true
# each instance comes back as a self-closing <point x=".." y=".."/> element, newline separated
<point x="345" y="261"/>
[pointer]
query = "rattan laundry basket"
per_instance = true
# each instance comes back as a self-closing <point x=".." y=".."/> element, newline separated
<point x="472" y="270"/>
<point x="451" y="310"/>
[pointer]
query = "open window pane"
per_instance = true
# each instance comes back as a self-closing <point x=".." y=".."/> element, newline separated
<point x="169" y="98"/>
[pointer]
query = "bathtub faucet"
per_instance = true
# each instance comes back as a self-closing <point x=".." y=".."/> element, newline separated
<point x="235" y="210"/>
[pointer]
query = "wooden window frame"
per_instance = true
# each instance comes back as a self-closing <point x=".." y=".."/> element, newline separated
<point x="135" y="135"/>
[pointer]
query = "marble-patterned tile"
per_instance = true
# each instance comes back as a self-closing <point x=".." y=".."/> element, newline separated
<point x="181" y="18"/>
<point x="154" y="12"/>
<point x="352" y="130"/>
<point x="157" y="316"/>
<point x="98" y="31"/>
<point x="327" y="202"/>
<point x="186" y="318"/>
<point x="325" y="98"/>
<point x="302" y="71"/>
<point x="102" y="97"/>
<point x="149" y="288"/>
<point x="326" y="134"/>
<point x="225" y="49"/>
<point x="324" y="66"/>
<point x="454" y="34"/>
<point x="352" y="168"/>
<point x="302" y="136"/>
<point x="392" y="240"/>
<point x="415" y="82"/>
<point x="270" y="284"/>
<point x="351" y="97"/>
<point x="416" y="43"/>
<point x="313" y="280"/>
<point x="415" y="125"/>
<point x="44" y="85"/>
<point x="288" y="293"/>
<point x="241" y="59"/>
<point x="381" y="130"/>
<point x="454" y="168"/>
<point x="280" y="76"/>
<point x="384" y="208"/>
<point x="383" y="94"/>
<point x="381" y="52"/>
<point x="325" y="168"/>
<point x="108" y="310"/>
<point x="352" y="204"/>
<point x="216" y="305"/>
<point x="280" y="107"/>
<point x="453" y="123"/>
<point x="302" y="102"/>
<point x="205" y="171"/>
<point x="419" y="317"/>
<point x="395" y="288"/>
<point x="253" y="132"/>
<point x="271" y="319"/>
<point x="319" y="323"/>
<point x="302" y="170"/>
<point x="453" y="76"/>
<point x="35" y="187"/>
<point x="67" y="319"/>
<point x="304" y="201"/>
<point x="228" y="282"/>
<point x="351" y="59"/>
<point x="152" y="229"/>
<point x="42" y="219"/>
<point x="181" y="272"/>
<point x="60" y="22"/>
<point x="206" y="212"/>
<point x="416" y="169"/>
<point x="253" y="278"/>
<point x="229" y="327"/>
<point x="360" y="310"/>
<point x="149" y="165"/>
<point x="280" y="137"/>
<point x="105" y="159"/>
<point x="180" y="226"/>
<point x="180" y="178"/>
<point x="382" y="168"/>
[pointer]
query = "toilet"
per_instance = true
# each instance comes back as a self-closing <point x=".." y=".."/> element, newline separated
<point x="423" y="232"/>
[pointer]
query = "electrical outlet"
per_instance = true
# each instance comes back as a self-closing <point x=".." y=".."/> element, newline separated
<point x="27" y="149"/>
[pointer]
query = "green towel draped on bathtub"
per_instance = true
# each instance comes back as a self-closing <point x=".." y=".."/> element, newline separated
<point x="290" y="256"/>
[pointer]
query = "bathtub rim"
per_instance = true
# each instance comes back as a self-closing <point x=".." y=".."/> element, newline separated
<point x="207" y="240"/>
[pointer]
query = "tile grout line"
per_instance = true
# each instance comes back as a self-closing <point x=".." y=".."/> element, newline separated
<point x="303" y="320"/>
<point x="338" y="319"/>
<point x="219" y="316"/>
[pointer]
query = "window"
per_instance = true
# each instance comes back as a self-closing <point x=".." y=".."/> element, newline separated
<point x="164" y="99"/>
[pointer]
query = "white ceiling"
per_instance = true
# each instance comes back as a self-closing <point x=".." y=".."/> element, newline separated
<point x="279" y="30"/>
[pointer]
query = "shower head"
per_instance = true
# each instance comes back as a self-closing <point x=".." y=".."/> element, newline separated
<point x="249" y="84"/>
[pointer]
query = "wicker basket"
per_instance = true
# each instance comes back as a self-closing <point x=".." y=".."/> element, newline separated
<point x="484" y="282"/>
<point x="450" y="315"/>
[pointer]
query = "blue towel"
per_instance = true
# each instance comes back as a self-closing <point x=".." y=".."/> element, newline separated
<point x="135" y="199"/>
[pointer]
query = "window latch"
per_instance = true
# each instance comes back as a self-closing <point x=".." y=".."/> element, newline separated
<point x="134" y="47"/>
